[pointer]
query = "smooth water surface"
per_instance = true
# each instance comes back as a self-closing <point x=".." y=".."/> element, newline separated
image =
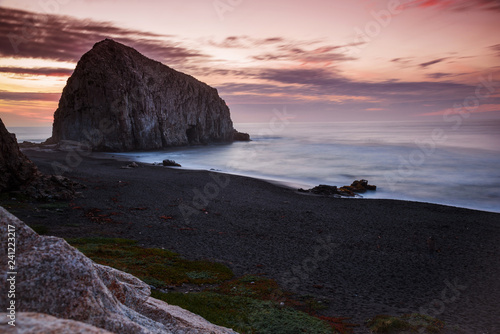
<point x="421" y="161"/>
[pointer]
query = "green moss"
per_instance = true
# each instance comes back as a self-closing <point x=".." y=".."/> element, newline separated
<point x="257" y="287"/>
<point x="195" y="275"/>
<point x="159" y="266"/>
<point x="100" y="241"/>
<point x="244" y="314"/>
<point x="248" y="304"/>
<point x="408" y="322"/>
<point x="312" y="304"/>
<point x="53" y="205"/>
<point x="40" y="229"/>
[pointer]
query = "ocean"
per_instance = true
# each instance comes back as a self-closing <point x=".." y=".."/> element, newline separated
<point x="445" y="163"/>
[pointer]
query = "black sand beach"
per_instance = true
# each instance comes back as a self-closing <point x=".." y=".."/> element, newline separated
<point x="364" y="257"/>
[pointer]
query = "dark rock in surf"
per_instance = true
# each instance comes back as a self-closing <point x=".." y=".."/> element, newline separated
<point x="361" y="186"/>
<point x="358" y="186"/>
<point x="325" y="190"/>
<point x="119" y="100"/>
<point x="240" y="136"/>
<point x="170" y="163"/>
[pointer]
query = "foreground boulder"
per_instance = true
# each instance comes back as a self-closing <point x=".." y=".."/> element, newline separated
<point x="119" y="100"/>
<point x="56" y="279"/>
<point x="39" y="323"/>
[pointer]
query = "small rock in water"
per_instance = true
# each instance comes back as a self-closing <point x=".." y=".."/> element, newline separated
<point x="129" y="166"/>
<point x="324" y="189"/>
<point x="358" y="186"/>
<point x="240" y="136"/>
<point x="170" y="163"/>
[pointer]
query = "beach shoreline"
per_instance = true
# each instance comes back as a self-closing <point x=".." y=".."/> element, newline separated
<point x="289" y="184"/>
<point x="363" y="257"/>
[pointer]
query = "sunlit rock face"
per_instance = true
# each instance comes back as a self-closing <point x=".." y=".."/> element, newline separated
<point x="119" y="100"/>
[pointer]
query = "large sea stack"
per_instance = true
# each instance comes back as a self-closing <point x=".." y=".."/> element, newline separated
<point x="119" y="100"/>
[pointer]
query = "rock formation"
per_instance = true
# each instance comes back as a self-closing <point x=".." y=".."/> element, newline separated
<point x="56" y="279"/>
<point x="16" y="169"/>
<point x="19" y="174"/>
<point x="358" y="186"/>
<point x="39" y="323"/>
<point x="119" y="100"/>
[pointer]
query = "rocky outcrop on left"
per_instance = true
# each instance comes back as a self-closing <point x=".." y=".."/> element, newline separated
<point x="56" y="279"/>
<point x="20" y="174"/>
<point x="16" y="170"/>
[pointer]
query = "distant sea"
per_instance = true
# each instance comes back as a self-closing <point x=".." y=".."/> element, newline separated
<point x="444" y="163"/>
<point x="35" y="134"/>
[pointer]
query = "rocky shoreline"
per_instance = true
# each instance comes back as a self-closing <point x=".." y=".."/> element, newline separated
<point x="362" y="257"/>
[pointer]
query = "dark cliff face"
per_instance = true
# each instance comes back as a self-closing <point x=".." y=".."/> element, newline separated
<point x="20" y="174"/>
<point x="119" y="100"/>
<point x="16" y="169"/>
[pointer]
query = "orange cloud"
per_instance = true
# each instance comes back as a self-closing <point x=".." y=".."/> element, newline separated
<point x="27" y="113"/>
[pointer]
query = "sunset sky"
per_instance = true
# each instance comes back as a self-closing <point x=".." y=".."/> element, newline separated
<point x="324" y="60"/>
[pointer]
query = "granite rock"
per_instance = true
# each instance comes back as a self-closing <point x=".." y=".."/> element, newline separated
<point x="56" y="279"/>
<point x="39" y="323"/>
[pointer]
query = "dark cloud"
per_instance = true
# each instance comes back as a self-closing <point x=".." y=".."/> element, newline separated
<point x="25" y="96"/>
<point x="459" y="5"/>
<point x="299" y="53"/>
<point x="439" y="75"/>
<point x="245" y="42"/>
<point x="405" y="60"/>
<point x="240" y="42"/>
<point x="482" y="4"/>
<point x="197" y="70"/>
<point x="64" y="38"/>
<point x="496" y="49"/>
<point x="279" y="48"/>
<point x="272" y="40"/>
<point x="432" y="62"/>
<point x="322" y="82"/>
<point x="47" y="71"/>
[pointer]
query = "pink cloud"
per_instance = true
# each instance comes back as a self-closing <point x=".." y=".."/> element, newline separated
<point x="45" y="71"/>
<point x="480" y="109"/>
